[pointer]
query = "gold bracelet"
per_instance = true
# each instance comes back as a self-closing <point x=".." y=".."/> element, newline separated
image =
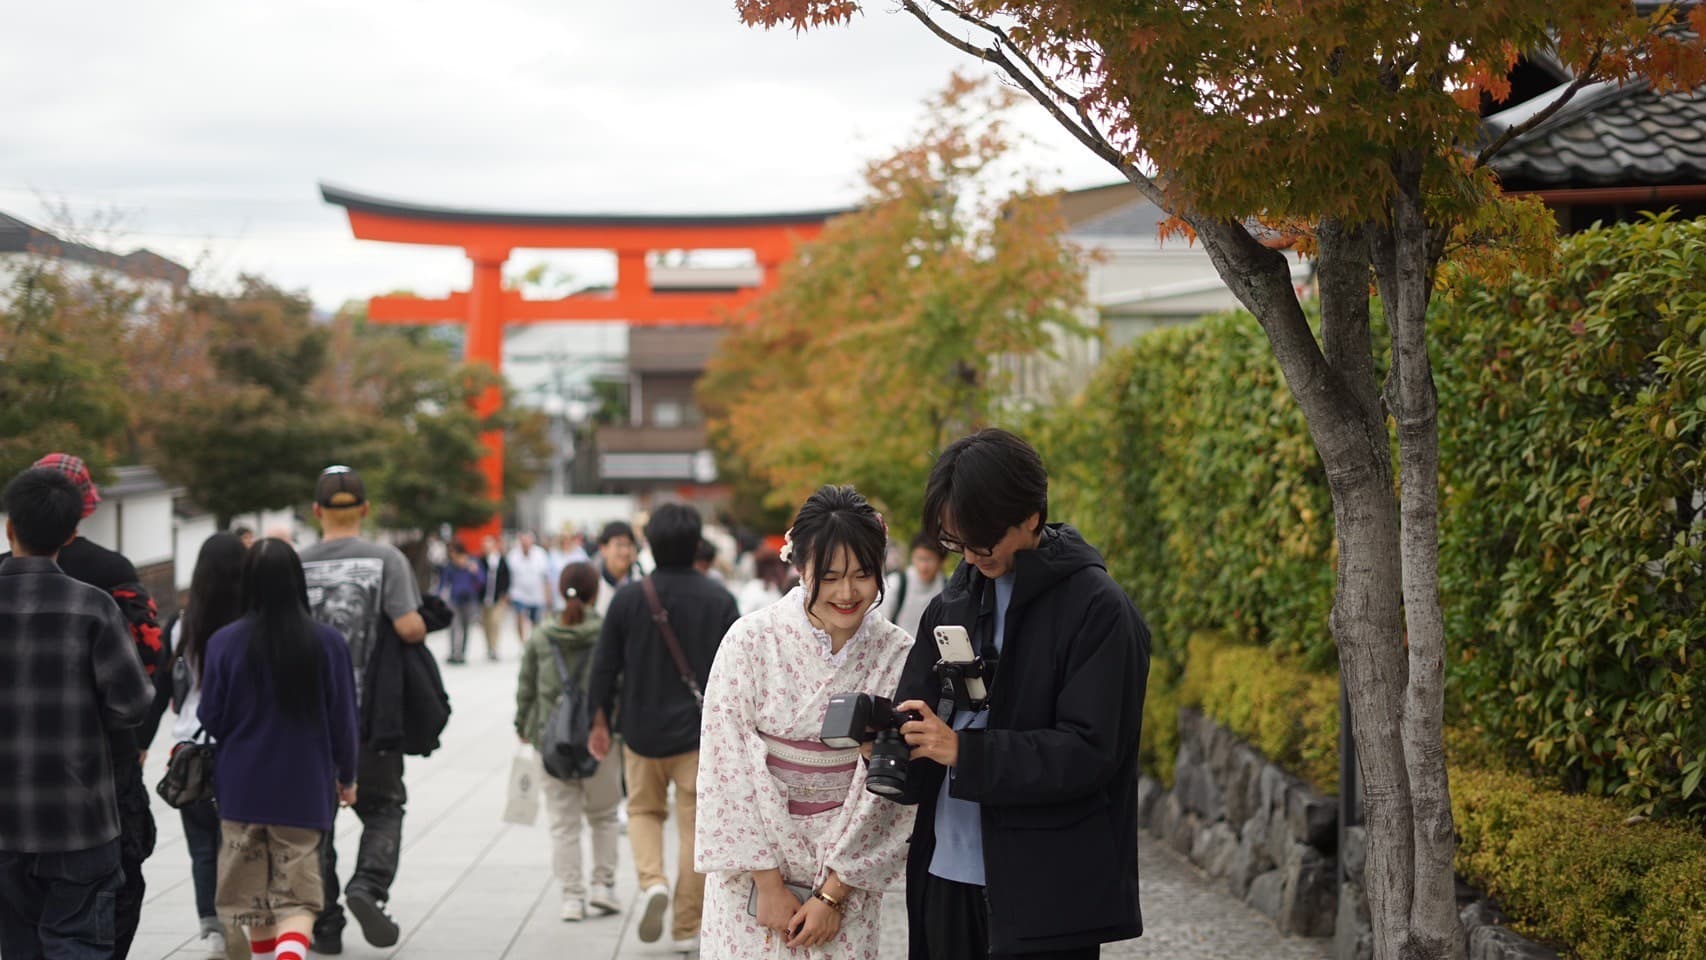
<point x="834" y="904"/>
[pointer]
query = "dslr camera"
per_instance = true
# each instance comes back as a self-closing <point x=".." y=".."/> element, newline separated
<point x="855" y="718"/>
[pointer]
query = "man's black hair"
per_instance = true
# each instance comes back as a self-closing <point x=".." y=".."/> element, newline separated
<point x="832" y="518"/>
<point x="674" y="533"/>
<point x="982" y="486"/>
<point x="45" y="508"/>
<point x="927" y="542"/>
<point x="614" y="529"/>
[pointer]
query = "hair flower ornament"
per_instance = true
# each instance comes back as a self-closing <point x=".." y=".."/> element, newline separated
<point x="787" y="551"/>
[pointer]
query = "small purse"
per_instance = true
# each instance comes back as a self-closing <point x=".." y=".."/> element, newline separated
<point x="189" y="773"/>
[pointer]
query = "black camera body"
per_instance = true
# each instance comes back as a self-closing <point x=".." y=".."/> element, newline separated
<point x="856" y="718"/>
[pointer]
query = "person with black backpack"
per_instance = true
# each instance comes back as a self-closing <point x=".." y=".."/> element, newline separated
<point x="553" y="680"/>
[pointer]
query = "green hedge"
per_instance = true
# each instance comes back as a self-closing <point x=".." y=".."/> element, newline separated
<point x="1289" y="713"/>
<point x="1573" y="414"/>
<point x="1571" y="871"/>
<point x="1574" y="500"/>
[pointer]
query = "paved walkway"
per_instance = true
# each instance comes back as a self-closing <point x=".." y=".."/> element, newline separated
<point x="472" y="887"/>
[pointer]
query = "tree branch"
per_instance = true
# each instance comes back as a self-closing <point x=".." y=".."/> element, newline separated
<point x="1040" y="88"/>
<point x="1544" y="115"/>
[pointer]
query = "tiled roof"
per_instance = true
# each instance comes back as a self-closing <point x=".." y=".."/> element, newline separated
<point x="16" y="236"/>
<point x="1613" y="136"/>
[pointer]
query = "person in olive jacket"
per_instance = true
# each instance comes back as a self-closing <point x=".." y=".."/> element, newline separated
<point x="596" y="799"/>
<point x="1026" y="836"/>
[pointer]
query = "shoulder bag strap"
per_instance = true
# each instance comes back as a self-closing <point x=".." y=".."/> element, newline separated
<point x="660" y="616"/>
<point x="562" y="668"/>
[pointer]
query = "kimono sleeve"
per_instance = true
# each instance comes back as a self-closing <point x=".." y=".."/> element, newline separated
<point x="737" y="795"/>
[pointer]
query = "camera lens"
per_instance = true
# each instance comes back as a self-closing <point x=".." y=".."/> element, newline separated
<point x="885" y="773"/>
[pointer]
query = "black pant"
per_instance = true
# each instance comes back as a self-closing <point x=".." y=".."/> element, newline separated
<point x="201" y="835"/>
<point x="956" y="926"/>
<point x="136" y="844"/>
<point x="59" y="905"/>
<point x="379" y="803"/>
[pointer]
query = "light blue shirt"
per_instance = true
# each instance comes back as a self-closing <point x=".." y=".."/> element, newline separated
<point x="959" y="823"/>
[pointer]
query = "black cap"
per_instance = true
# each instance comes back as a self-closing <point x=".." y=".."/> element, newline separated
<point x="339" y="487"/>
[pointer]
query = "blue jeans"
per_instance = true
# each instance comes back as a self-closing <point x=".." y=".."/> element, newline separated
<point x="201" y="835"/>
<point x="59" y="905"/>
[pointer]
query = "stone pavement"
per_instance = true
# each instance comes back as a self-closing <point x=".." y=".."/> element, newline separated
<point x="471" y="886"/>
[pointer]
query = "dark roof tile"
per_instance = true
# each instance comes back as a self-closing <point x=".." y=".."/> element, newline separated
<point x="1627" y="136"/>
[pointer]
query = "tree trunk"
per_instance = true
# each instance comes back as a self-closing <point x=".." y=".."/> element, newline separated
<point x="1334" y="384"/>
<point x="1404" y="269"/>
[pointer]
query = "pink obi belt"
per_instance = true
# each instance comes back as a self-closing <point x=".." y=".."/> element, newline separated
<point x="815" y="777"/>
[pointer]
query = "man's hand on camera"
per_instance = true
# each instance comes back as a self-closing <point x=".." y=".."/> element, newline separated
<point x="929" y="737"/>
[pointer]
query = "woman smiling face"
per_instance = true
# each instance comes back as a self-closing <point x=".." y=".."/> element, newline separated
<point x="845" y="592"/>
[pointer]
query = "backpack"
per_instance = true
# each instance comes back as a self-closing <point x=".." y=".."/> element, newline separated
<point x="562" y="744"/>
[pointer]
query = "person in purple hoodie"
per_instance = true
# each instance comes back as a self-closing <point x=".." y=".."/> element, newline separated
<point x="278" y="695"/>
<point x="463" y="583"/>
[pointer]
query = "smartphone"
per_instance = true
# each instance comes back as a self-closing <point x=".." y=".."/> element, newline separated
<point x="954" y="646"/>
<point x="800" y="891"/>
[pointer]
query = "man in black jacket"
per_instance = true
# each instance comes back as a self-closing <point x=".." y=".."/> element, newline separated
<point x="1026" y="837"/>
<point x="659" y="711"/>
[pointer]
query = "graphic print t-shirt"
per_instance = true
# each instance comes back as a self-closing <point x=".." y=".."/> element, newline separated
<point x="352" y="583"/>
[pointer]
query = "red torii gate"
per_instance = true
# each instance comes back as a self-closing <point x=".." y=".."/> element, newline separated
<point x="489" y="237"/>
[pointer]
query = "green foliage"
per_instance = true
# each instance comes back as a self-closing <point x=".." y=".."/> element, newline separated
<point x="1187" y="462"/>
<point x="61" y="370"/>
<point x="1574" y="506"/>
<point x="1288" y="713"/>
<point x="1573" y="871"/>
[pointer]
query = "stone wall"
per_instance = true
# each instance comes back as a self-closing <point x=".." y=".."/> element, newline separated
<point x="1275" y="841"/>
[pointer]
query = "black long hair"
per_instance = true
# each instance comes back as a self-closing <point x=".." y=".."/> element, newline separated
<point x="283" y="654"/>
<point x="835" y="517"/>
<point x="216" y="596"/>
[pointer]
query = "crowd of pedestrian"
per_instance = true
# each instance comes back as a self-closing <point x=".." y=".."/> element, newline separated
<point x="996" y="714"/>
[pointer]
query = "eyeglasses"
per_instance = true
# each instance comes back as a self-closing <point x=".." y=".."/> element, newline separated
<point x="954" y="546"/>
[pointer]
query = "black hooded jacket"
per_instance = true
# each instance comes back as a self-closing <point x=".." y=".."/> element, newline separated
<point x="1056" y="769"/>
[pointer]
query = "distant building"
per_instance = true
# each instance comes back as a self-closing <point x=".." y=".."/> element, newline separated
<point x="25" y="248"/>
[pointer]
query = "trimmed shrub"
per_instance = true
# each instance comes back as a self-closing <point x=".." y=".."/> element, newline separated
<point x="1288" y="713"/>
<point x="1574" y="512"/>
<point x="1571" y="871"/>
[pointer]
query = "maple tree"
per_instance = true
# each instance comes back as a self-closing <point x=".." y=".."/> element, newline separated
<point x="875" y="349"/>
<point x="1352" y="126"/>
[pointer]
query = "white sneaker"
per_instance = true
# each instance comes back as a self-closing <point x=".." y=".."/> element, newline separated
<point x="653" y="904"/>
<point x="603" y="899"/>
<point x="213" y="944"/>
<point x="688" y="945"/>
<point x="573" y="909"/>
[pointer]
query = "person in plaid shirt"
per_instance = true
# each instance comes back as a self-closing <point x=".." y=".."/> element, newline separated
<point x="69" y="674"/>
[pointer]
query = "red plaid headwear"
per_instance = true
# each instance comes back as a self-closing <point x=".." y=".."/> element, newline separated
<point x="78" y="471"/>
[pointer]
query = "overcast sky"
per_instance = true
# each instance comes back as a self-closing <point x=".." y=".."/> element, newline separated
<point x="206" y="125"/>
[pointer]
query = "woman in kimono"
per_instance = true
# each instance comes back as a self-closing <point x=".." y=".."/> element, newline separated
<point x="777" y="808"/>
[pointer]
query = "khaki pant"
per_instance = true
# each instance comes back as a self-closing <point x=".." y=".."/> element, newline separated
<point x="267" y="873"/>
<point x="491" y="618"/>
<point x="648" y="791"/>
<point x="598" y="798"/>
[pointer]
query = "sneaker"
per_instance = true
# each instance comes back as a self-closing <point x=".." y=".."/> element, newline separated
<point x="656" y="900"/>
<point x="213" y="943"/>
<point x="376" y="925"/>
<point x="603" y="899"/>
<point x="573" y="909"/>
<point x="684" y="944"/>
<point x="328" y="943"/>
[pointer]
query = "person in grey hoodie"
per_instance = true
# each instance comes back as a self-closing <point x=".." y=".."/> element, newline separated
<point x="596" y="799"/>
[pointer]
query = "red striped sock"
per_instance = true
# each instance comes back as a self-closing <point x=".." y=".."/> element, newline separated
<point x="262" y="948"/>
<point x="292" y="946"/>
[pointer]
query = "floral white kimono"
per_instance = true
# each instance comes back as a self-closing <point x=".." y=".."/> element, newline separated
<point x="771" y="796"/>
